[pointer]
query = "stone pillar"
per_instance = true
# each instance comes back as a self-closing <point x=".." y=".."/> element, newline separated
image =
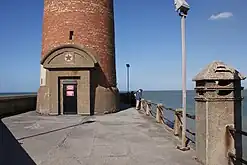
<point x="217" y="104"/>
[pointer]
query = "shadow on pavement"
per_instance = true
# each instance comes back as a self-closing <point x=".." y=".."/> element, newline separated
<point x="11" y="152"/>
<point x="123" y="107"/>
<point x="55" y="130"/>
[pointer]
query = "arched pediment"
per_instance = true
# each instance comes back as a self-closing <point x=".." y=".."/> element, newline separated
<point x="69" y="56"/>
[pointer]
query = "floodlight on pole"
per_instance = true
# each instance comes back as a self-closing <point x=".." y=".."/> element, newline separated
<point x="128" y="66"/>
<point x="182" y="7"/>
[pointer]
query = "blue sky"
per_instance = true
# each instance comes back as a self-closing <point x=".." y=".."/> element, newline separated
<point x="147" y="36"/>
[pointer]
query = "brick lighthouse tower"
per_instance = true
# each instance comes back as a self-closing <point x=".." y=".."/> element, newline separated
<point x="78" y="73"/>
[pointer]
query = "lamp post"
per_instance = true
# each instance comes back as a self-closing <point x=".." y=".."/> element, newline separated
<point x="182" y="8"/>
<point x="128" y="83"/>
<point x="128" y="79"/>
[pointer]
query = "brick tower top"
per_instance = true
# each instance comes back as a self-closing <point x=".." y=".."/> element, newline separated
<point x="87" y="23"/>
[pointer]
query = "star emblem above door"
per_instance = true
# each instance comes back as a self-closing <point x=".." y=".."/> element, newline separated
<point x="68" y="57"/>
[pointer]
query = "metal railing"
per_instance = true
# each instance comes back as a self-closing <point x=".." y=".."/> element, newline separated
<point x="158" y="112"/>
<point x="234" y="136"/>
<point x="236" y="157"/>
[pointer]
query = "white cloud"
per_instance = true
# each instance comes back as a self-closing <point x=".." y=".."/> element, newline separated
<point x="223" y="15"/>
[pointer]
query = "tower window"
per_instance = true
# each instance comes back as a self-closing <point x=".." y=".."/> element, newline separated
<point x="71" y="34"/>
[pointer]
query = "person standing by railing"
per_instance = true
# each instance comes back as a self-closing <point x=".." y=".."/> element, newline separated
<point x="138" y="96"/>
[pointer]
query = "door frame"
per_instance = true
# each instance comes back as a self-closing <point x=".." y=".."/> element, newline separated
<point x="67" y="109"/>
<point x="60" y="94"/>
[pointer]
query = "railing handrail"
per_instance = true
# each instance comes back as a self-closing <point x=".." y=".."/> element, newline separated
<point x="232" y="131"/>
<point x="169" y="109"/>
<point x="160" y="118"/>
<point x="234" y="158"/>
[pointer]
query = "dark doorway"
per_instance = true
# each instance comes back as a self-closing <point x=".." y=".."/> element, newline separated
<point x="69" y="97"/>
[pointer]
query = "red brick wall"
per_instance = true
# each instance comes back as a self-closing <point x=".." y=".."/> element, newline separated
<point x="93" y="25"/>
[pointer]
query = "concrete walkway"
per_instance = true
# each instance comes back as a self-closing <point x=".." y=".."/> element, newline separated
<point x="124" y="138"/>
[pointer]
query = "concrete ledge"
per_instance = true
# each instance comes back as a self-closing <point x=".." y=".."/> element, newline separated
<point x="12" y="105"/>
<point x="127" y="98"/>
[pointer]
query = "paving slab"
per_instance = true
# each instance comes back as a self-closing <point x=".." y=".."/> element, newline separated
<point x="122" y="138"/>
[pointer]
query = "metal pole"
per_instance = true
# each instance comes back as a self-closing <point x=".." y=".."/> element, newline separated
<point x="183" y="81"/>
<point x="127" y="79"/>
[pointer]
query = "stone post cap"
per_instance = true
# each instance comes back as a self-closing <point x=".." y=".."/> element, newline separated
<point x="218" y="70"/>
<point x="179" y="110"/>
<point x="160" y="105"/>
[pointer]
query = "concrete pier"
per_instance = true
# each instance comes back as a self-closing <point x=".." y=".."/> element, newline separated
<point x="123" y="138"/>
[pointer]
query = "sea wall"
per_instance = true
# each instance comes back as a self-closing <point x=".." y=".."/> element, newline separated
<point x="127" y="98"/>
<point x="10" y="105"/>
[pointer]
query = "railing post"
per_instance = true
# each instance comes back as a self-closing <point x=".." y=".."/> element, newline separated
<point x="218" y="102"/>
<point x="142" y="105"/>
<point x="230" y="139"/>
<point x="162" y="113"/>
<point x="177" y="122"/>
<point x="159" y="113"/>
<point x="148" y="107"/>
